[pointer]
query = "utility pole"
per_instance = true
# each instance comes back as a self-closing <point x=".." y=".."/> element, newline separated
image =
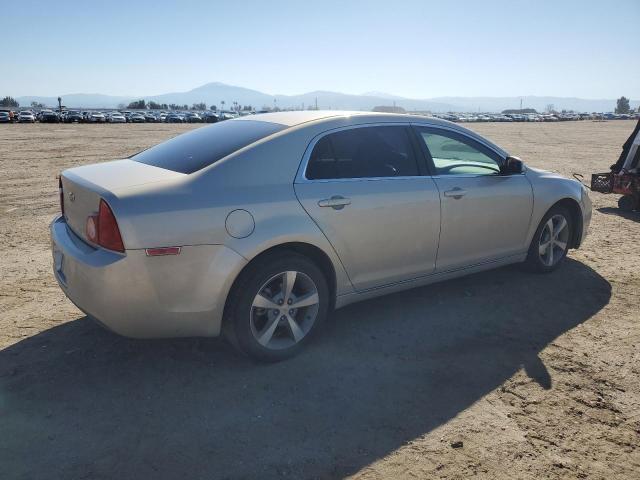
<point x="316" y="103"/>
<point x="521" y="105"/>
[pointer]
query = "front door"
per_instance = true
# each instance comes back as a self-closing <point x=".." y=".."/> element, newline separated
<point x="485" y="215"/>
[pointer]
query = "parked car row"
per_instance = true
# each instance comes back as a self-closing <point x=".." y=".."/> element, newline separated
<point x="532" y="117"/>
<point x="154" y="116"/>
<point x="113" y="116"/>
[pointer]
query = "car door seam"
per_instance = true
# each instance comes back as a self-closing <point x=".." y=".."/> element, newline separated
<point x="435" y="263"/>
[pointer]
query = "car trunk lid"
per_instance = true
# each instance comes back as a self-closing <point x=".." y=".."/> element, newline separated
<point x="83" y="187"/>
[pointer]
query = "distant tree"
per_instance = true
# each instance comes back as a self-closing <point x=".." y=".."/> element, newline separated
<point x="173" y="106"/>
<point x="622" y="105"/>
<point x="222" y="103"/>
<point x="199" y="106"/>
<point x="213" y="108"/>
<point x="37" y="105"/>
<point x="550" y="108"/>
<point x="121" y="106"/>
<point x="138" y="105"/>
<point x="154" y="106"/>
<point x="9" y="102"/>
<point x="247" y="108"/>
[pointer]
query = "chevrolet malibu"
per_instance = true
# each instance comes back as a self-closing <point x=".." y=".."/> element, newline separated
<point x="257" y="227"/>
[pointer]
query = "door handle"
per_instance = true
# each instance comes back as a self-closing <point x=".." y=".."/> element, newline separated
<point x="336" y="202"/>
<point x="456" y="193"/>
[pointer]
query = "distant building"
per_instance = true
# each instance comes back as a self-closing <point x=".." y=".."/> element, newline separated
<point x="519" y="110"/>
<point x="389" y="109"/>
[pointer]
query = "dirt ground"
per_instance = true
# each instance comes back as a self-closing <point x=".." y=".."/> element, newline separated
<point x="500" y="375"/>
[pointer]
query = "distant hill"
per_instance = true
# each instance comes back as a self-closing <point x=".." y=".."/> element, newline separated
<point x="214" y="93"/>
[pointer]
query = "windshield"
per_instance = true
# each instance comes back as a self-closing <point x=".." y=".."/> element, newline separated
<point x="190" y="152"/>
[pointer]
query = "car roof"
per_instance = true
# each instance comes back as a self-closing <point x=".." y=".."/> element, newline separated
<point x="336" y="118"/>
<point x="295" y="118"/>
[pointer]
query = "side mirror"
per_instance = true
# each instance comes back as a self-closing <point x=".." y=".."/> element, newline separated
<point x="512" y="166"/>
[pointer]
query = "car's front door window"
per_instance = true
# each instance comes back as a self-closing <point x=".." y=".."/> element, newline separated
<point x="453" y="155"/>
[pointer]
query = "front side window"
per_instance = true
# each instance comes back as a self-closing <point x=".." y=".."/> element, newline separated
<point x="366" y="152"/>
<point x="453" y="154"/>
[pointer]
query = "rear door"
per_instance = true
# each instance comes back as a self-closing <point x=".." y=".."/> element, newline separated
<point x="485" y="215"/>
<point x="364" y="188"/>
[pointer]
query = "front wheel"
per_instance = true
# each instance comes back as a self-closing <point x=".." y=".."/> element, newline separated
<point x="276" y="306"/>
<point x="550" y="243"/>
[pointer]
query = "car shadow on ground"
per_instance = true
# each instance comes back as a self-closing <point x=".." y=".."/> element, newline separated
<point x="79" y="402"/>
<point x="634" y="215"/>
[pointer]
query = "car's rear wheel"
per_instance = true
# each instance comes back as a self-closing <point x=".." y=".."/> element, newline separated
<point x="551" y="241"/>
<point x="628" y="203"/>
<point x="276" y="306"/>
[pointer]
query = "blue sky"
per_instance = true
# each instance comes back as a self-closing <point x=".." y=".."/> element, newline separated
<point x="412" y="48"/>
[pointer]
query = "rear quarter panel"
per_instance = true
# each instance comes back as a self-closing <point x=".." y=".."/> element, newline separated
<point x="260" y="180"/>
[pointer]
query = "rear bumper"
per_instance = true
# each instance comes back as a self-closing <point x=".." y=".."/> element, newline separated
<point x="146" y="297"/>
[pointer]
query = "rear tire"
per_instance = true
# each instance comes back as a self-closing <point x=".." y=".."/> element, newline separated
<point x="551" y="241"/>
<point x="627" y="203"/>
<point x="276" y="306"/>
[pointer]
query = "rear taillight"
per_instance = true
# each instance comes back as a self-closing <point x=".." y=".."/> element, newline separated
<point x="61" y="195"/>
<point x="108" y="231"/>
<point x="102" y="229"/>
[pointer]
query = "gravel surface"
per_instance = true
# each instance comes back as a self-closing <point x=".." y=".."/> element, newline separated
<point x="499" y="375"/>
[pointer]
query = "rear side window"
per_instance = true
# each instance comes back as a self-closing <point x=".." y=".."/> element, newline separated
<point x="190" y="152"/>
<point x="363" y="153"/>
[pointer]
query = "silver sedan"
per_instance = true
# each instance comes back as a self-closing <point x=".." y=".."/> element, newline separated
<point x="257" y="227"/>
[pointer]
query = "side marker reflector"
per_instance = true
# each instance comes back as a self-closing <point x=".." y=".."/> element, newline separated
<point x="159" y="252"/>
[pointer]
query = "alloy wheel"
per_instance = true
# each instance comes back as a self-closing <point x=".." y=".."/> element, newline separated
<point x="554" y="239"/>
<point x="284" y="310"/>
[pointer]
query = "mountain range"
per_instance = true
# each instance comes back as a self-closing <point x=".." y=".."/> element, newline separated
<point x="214" y="93"/>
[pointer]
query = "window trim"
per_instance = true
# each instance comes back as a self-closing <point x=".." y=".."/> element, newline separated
<point x="301" y="175"/>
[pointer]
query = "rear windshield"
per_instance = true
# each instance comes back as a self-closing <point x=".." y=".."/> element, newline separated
<point x="192" y="151"/>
